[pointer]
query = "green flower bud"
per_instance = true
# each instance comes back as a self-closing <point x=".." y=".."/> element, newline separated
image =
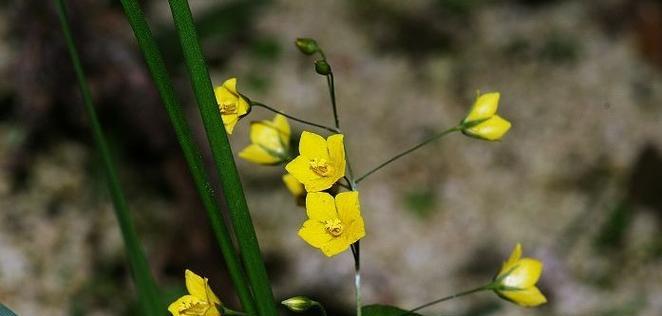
<point x="298" y="303"/>
<point x="322" y="67"/>
<point x="307" y="46"/>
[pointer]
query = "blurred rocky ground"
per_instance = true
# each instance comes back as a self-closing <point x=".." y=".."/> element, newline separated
<point x="577" y="180"/>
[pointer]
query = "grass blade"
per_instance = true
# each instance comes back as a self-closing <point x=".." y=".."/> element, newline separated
<point x="223" y="158"/>
<point x="161" y="79"/>
<point x="148" y="292"/>
<point x="5" y="311"/>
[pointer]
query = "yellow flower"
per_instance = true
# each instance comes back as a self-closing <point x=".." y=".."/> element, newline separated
<point x="517" y="278"/>
<point x="482" y="121"/>
<point x="332" y="225"/>
<point x="320" y="162"/>
<point x="270" y="141"/>
<point x="232" y="105"/>
<point x="200" y="301"/>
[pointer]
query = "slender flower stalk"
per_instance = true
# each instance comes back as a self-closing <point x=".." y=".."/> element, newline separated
<point x="332" y="93"/>
<point x="148" y="292"/>
<point x="356" y="247"/>
<point x="161" y="78"/>
<point x="408" y="151"/>
<point x="264" y="106"/>
<point x="223" y="158"/>
<point x="447" y="298"/>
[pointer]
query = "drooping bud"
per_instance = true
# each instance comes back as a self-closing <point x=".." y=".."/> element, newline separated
<point x="298" y="303"/>
<point x="307" y="46"/>
<point x="322" y="67"/>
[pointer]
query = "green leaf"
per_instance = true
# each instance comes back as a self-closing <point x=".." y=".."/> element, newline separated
<point x="161" y="78"/>
<point x="148" y="291"/>
<point x="385" y="310"/>
<point x="221" y="150"/>
<point x="4" y="311"/>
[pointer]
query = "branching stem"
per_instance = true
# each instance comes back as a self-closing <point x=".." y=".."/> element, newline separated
<point x="408" y="151"/>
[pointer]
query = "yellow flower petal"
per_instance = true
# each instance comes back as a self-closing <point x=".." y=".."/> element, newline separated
<point x="484" y="107"/>
<point x="283" y="126"/>
<point x="256" y="154"/>
<point x="213" y="311"/>
<point x="223" y="95"/>
<point x="312" y="146"/>
<point x="526" y="273"/>
<point x="334" y="246"/>
<point x="510" y="263"/>
<point x="188" y="305"/>
<point x="492" y="129"/>
<point x="354" y="230"/>
<point x="229" y="121"/>
<point x="196" y="285"/>
<point x="242" y="106"/>
<point x="320" y="206"/>
<point x="293" y="185"/>
<point x="199" y="287"/>
<point x="336" y="148"/>
<point x="529" y="297"/>
<point x="231" y="85"/>
<point x="348" y="206"/>
<point x="299" y="167"/>
<point x="265" y="135"/>
<point x="314" y="233"/>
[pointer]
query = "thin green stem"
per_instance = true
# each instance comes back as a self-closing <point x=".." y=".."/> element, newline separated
<point x="356" y="250"/>
<point x="332" y="93"/>
<point x="148" y="291"/>
<point x="400" y="155"/>
<point x="443" y="299"/>
<point x="223" y="158"/>
<point x="264" y="106"/>
<point x="161" y="79"/>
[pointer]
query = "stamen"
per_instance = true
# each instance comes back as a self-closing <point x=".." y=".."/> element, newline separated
<point x="321" y="167"/>
<point x="334" y="227"/>
<point x="228" y="108"/>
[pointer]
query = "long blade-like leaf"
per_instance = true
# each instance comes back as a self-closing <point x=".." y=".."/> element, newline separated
<point x="148" y="292"/>
<point x="223" y="158"/>
<point x="157" y="68"/>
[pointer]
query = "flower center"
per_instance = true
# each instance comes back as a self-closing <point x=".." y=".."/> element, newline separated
<point x="193" y="308"/>
<point x="228" y="108"/>
<point x="321" y="167"/>
<point x="333" y="227"/>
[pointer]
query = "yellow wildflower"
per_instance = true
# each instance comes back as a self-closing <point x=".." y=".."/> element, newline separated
<point x="200" y="301"/>
<point x="482" y="121"/>
<point x="320" y="162"/>
<point x="517" y="278"/>
<point x="332" y="225"/>
<point x="231" y="104"/>
<point x="270" y="141"/>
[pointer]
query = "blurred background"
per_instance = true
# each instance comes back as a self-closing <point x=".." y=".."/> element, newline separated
<point x="578" y="180"/>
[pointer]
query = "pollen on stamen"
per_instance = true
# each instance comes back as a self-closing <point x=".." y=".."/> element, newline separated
<point x="228" y="108"/>
<point x="321" y="167"/>
<point x="334" y="227"/>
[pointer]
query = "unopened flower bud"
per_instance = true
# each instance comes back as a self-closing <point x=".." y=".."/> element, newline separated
<point x="298" y="303"/>
<point x="307" y="46"/>
<point x="322" y="67"/>
<point x="482" y="122"/>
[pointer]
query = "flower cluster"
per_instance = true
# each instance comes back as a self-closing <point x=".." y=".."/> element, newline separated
<point x="319" y="177"/>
